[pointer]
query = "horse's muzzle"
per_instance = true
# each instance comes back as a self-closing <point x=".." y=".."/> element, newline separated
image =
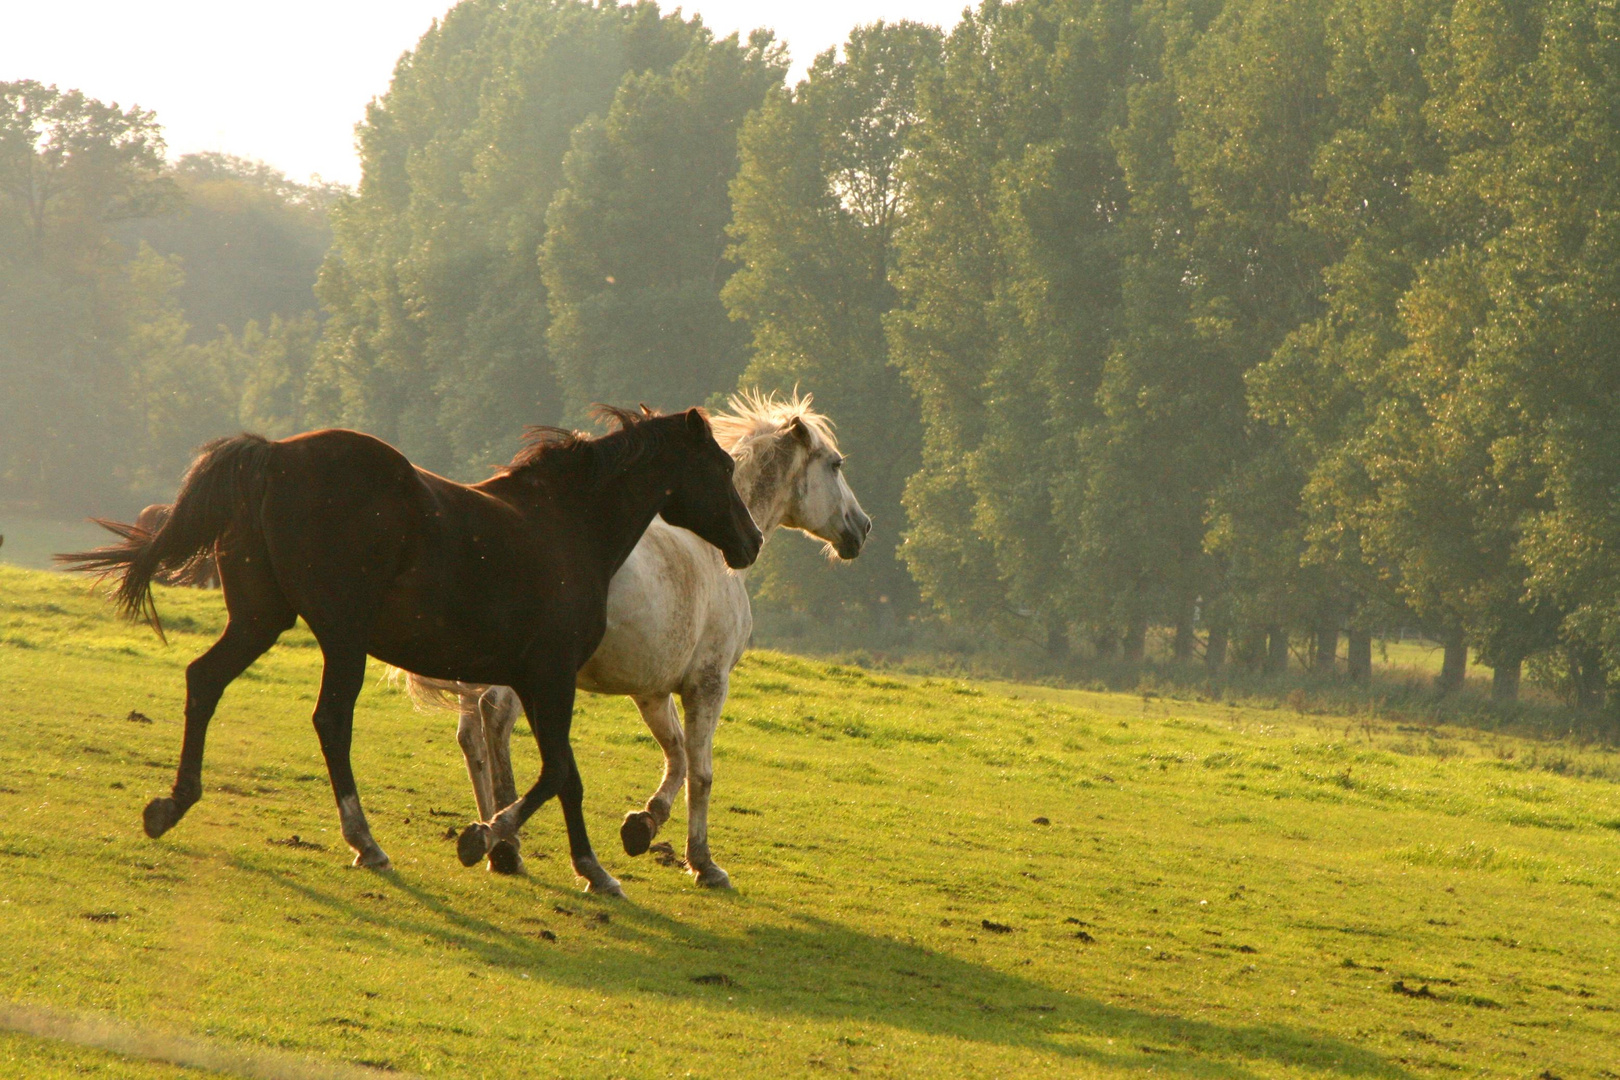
<point x="852" y="537"/>
<point x="742" y="559"/>
<point x="741" y="555"/>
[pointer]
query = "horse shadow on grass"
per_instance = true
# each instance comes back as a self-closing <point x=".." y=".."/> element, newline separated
<point x="784" y="963"/>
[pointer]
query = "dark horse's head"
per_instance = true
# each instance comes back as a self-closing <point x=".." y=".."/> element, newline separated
<point x="695" y="472"/>
<point x="703" y="498"/>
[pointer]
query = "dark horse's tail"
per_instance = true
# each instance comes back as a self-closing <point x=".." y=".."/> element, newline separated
<point x="225" y="481"/>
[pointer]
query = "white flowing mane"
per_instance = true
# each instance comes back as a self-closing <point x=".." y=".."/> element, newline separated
<point x="755" y="415"/>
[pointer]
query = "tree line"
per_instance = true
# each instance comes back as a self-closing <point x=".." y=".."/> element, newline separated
<point x="1262" y="323"/>
<point x="145" y="306"/>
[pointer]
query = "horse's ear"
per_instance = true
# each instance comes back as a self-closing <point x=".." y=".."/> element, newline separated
<point x="801" y="431"/>
<point x="697" y="422"/>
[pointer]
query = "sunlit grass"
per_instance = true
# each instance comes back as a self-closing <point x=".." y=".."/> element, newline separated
<point x="936" y="878"/>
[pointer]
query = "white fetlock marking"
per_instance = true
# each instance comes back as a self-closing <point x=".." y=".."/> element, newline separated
<point x="503" y="827"/>
<point x="596" y="878"/>
<point x="353" y="822"/>
<point x="712" y="875"/>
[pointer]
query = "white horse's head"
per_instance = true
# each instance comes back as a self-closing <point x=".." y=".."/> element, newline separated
<point x="790" y="471"/>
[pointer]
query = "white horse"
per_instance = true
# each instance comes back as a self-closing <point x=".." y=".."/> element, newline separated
<point x="677" y="623"/>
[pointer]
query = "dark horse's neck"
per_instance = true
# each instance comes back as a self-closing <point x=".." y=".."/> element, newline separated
<point x="614" y="485"/>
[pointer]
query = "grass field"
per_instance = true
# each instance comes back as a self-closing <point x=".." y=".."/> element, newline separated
<point x="934" y="879"/>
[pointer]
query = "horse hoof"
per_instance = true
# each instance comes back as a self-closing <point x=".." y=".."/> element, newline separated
<point x="160" y="816"/>
<point x="473" y="844"/>
<point x="712" y="877"/>
<point x="606" y="885"/>
<point x="637" y="832"/>
<point x="597" y="880"/>
<point x="375" y="860"/>
<point x="504" y="859"/>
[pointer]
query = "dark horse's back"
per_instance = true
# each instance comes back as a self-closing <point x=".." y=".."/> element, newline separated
<point x="426" y="550"/>
<point x="334" y="522"/>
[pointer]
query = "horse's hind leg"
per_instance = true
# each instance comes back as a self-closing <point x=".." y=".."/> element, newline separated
<point x="344" y="674"/>
<point x="703" y="704"/>
<point x="498" y="710"/>
<point x="475" y="748"/>
<point x="244" y="641"/>
<point x="640" y="826"/>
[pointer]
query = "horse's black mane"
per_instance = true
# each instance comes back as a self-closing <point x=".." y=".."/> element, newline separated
<point x="600" y="455"/>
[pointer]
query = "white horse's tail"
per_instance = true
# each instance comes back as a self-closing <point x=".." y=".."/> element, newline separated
<point x="426" y="693"/>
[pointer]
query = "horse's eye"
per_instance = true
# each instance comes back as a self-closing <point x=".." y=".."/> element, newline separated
<point x="837" y="463"/>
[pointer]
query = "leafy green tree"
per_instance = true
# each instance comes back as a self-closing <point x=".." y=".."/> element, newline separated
<point x="1008" y="284"/>
<point x="71" y="169"/>
<point x="271" y="367"/>
<point x="816" y="203"/>
<point x="946" y="269"/>
<point x="1527" y="102"/>
<point x="182" y="395"/>
<point x="1252" y="110"/>
<point x="436" y="311"/>
<point x="1321" y="388"/>
<point x="635" y="252"/>
<point x="1137" y="499"/>
<point x="250" y="241"/>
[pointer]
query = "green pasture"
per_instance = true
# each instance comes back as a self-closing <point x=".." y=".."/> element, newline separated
<point x="935" y="879"/>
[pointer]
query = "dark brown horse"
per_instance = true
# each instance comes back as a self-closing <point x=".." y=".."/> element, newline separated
<point x="500" y="582"/>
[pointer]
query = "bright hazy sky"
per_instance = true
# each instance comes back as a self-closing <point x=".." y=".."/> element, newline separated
<point x="286" y="81"/>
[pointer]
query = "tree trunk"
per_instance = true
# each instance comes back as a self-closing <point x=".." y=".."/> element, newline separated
<point x="1360" y="657"/>
<point x="1327" y="648"/>
<point x="1589" y="682"/>
<point x="1105" y="643"/>
<point x="1215" y="651"/>
<point x="1505" y="681"/>
<point x="1136" y="641"/>
<point x="1277" y="657"/>
<point x="1057" y="640"/>
<point x="1253" y="648"/>
<point x="1455" y="665"/>
<point x="1185" y="637"/>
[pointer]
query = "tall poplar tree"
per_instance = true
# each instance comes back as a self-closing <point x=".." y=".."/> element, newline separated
<point x="437" y="311"/>
<point x="635" y="252"/>
<point x="816" y="203"/>
<point x="1008" y="286"/>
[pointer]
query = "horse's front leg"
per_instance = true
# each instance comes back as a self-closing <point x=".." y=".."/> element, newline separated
<point x="572" y="797"/>
<point x="344" y="675"/>
<point x="640" y="826"/>
<point x="703" y="704"/>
